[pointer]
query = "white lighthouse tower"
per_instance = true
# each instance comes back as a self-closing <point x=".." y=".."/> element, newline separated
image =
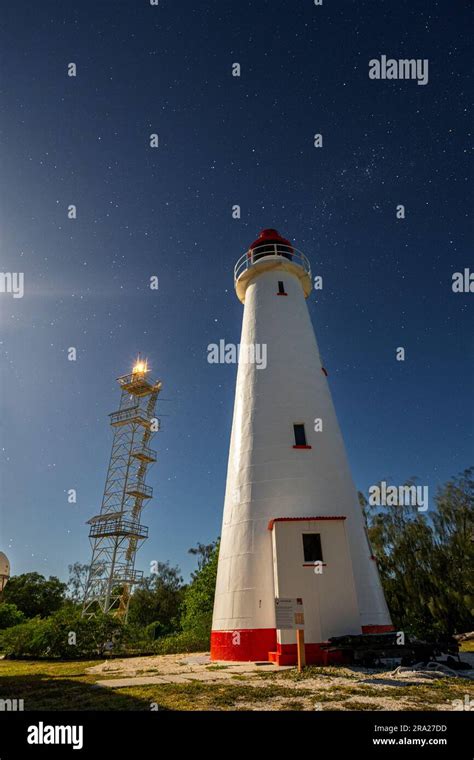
<point x="292" y="524"/>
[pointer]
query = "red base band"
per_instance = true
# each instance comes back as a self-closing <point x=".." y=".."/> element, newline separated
<point x="287" y="654"/>
<point x="260" y="645"/>
<point x="377" y="628"/>
<point x="251" y="645"/>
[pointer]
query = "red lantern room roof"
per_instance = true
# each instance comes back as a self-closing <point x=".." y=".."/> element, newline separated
<point x="270" y="236"/>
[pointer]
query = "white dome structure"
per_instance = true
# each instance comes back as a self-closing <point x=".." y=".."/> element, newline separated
<point x="4" y="570"/>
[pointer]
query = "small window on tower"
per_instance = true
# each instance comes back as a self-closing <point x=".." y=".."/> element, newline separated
<point x="300" y="435"/>
<point x="312" y="547"/>
<point x="281" y="288"/>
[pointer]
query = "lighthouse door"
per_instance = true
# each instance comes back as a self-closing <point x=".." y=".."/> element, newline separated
<point x="311" y="560"/>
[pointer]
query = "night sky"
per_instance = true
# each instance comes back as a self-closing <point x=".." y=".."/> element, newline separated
<point x="167" y="212"/>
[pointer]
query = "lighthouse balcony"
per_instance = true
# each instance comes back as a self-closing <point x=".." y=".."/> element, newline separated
<point x="271" y="257"/>
<point x="271" y="250"/>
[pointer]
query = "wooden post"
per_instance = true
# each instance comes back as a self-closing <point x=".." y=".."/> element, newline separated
<point x="300" y="649"/>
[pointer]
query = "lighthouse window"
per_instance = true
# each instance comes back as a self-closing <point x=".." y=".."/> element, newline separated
<point x="281" y="288"/>
<point x="312" y="547"/>
<point x="300" y="435"/>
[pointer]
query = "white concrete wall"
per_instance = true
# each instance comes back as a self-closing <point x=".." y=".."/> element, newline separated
<point x="267" y="478"/>
<point x="329" y="596"/>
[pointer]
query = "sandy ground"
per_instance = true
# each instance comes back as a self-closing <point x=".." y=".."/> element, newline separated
<point x="179" y="669"/>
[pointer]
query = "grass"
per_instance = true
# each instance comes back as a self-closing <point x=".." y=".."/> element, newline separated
<point x="292" y="705"/>
<point x="197" y="695"/>
<point x="57" y="685"/>
<point x="53" y="668"/>
<point x="417" y="696"/>
<point x="440" y="691"/>
<point x="311" y="671"/>
<point x="66" y="686"/>
<point x="354" y="705"/>
<point x="216" y="667"/>
<point x="427" y="695"/>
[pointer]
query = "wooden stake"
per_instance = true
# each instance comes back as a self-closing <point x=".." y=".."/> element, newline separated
<point x="300" y="649"/>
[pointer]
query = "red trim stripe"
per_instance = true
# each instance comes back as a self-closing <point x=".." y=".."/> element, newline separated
<point x="377" y="628"/>
<point x="303" y="519"/>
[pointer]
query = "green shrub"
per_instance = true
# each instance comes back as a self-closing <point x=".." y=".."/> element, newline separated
<point x="198" y="600"/>
<point x="10" y="615"/>
<point x="68" y="636"/>
<point x="152" y="632"/>
<point x="177" y="643"/>
<point x="23" y="639"/>
<point x="65" y="635"/>
<point x="158" y="599"/>
<point x="35" y="595"/>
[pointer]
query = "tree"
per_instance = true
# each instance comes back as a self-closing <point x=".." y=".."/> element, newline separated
<point x="10" y="615"/>
<point x="34" y="595"/>
<point x="78" y="574"/>
<point x="199" y="596"/>
<point x="158" y="599"/>
<point x="203" y="552"/>
<point x="453" y="561"/>
<point x="425" y="563"/>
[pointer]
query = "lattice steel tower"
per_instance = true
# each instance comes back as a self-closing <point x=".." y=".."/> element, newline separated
<point x="116" y="533"/>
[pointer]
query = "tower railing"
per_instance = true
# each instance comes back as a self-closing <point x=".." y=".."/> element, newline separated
<point x="145" y="454"/>
<point x="139" y="489"/>
<point x="125" y="574"/>
<point x="118" y="528"/>
<point x="137" y="384"/>
<point x="131" y="414"/>
<point x="254" y="255"/>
